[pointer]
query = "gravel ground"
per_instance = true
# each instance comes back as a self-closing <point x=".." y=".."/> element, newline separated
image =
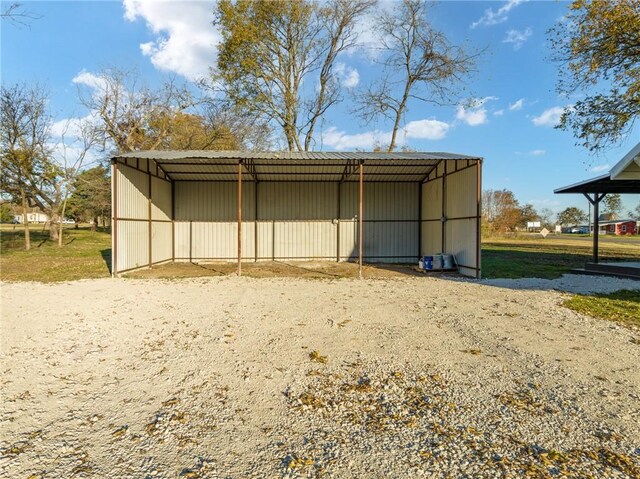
<point x="239" y="377"/>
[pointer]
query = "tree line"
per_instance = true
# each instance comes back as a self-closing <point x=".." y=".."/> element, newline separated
<point x="503" y="213"/>
<point x="276" y="76"/>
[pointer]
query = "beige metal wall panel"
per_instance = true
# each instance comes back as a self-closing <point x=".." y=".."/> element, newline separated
<point x="297" y="201"/>
<point x="265" y="240"/>
<point x="202" y="201"/>
<point x="395" y="242"/>
<point x="213" y="240"/>
<point x="182" y="238"/>
<point x="304" y="239"/>
<point x="161" y="199"/>
<point x="432" y="200"/>
<point x="431" y="210"/>
<point x="381" y="201"/>
<point x="461" y="191"/>
<point x="133" y="191"/>
<point x="431" y="238"/>
<point x="161" y="248"/>
<point x="461" y="241"/>
<point x="349" y="240"/>
<point x="133" y="244"/>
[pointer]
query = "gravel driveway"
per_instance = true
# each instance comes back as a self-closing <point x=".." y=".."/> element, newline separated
<point x="239" y="377"/>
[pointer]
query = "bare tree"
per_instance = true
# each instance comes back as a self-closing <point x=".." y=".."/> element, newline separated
<point x="418" y="63"/>
<point x="17" y="14"/>
<point x="24" y="131"/>
<point x="270" y="49"/>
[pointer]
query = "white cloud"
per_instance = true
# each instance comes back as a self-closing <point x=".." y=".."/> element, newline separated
<point x="474" y="113"/>
<point x="500" y="15"/>
<point x="185" y="40"/>
<point x="349" y="77"/>
<point x="549" y="117"/>
<point x="69" y="127"/>
<point x="517" y="105"/>
<point x="498" y="112"/>
<point x="428" y="129"/>
<point x="599" y="168"/>
<point x="91" y="80"/>
<point x="537" y="152"/>
<point x="517" y="37"/>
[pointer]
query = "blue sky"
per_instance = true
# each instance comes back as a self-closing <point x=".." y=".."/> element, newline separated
<point x="511" y="126"/>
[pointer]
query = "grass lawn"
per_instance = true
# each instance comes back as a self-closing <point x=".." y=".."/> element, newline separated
<point x="549" y="257"/>
<point x="622" y="306"/>
<point x="84" y="254"/>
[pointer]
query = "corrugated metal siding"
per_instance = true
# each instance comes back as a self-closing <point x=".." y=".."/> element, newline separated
<point x="203" y="201"/>
<point x="213" y="240"/>
<point x="297" y="201"/>
<point x="161" y="248"/>
<point x="161" y="199"/>
<point x="381" y="201"/>
<point x="461" y="241"/>
<point x="133" y="244"/>
<point x="461" y="193"/>
<point x="461" y="200"/>
<point x="431" y="210"/>
<point x="133" y="193"/>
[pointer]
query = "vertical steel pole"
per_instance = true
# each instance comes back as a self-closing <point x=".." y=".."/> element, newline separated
<point x="255" y="221"/>
<point x="420" y="185"/>
<point x="149" y="213"/>
<point x="240" y="218"/>
<point x="479" y="218"/>
<point x="361" y="239"/>
<point x="114" y="220"/>
<point x="443" y="219"/>
<point x="173" y="221"/>
<point x="596" y="225"/>
<point x="338" y="227"/>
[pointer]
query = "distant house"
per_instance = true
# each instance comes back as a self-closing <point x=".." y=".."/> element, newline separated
<point x="33" y="217"/>
<point x="620" y="227"/>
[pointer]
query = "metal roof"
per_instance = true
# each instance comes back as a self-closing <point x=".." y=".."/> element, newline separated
<point x="198" y="165"/>
<point x="628" y="167"/>
<point x="602" y="184"/>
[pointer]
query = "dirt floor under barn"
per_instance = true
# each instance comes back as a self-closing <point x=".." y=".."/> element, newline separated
<point x="410" y="376"/>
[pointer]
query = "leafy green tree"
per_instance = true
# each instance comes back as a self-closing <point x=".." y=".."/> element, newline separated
<point x="528" y="213"/>
<point x="598" y="45"/>
<point x="91" y="197"/>
<point x="6" y="213"/>
<point x="572" y="216"/>
<point x="271" y="49"/>
<point x="501" y="210"/>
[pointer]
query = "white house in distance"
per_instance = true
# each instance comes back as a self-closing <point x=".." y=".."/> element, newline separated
<point x="34" y="217"/>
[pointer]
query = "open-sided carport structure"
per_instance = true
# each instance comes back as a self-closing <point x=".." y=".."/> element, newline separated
<point x="623" y="178"/>
<point x="239" y="206"/>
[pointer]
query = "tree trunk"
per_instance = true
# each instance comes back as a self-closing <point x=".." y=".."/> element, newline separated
<point x="53" y="227"/>
<point x="25" y="221"/>
<point x="94" y="224"/>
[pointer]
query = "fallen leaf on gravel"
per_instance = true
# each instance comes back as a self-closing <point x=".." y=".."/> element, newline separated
<point x="475" y="352"/>
<point x="316" y="357"/>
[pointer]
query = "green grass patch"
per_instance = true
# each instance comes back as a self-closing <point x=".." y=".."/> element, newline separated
<point x="622" y="306"/>
<point x="545" y="258"/>
<point x="84" y="254"/>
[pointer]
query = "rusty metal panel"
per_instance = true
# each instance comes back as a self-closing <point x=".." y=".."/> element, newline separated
<point x="133" y="193"/>
<point x="161" y="248"/>
<point x="133" y="244"/>
<point x="161" y="199"/>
